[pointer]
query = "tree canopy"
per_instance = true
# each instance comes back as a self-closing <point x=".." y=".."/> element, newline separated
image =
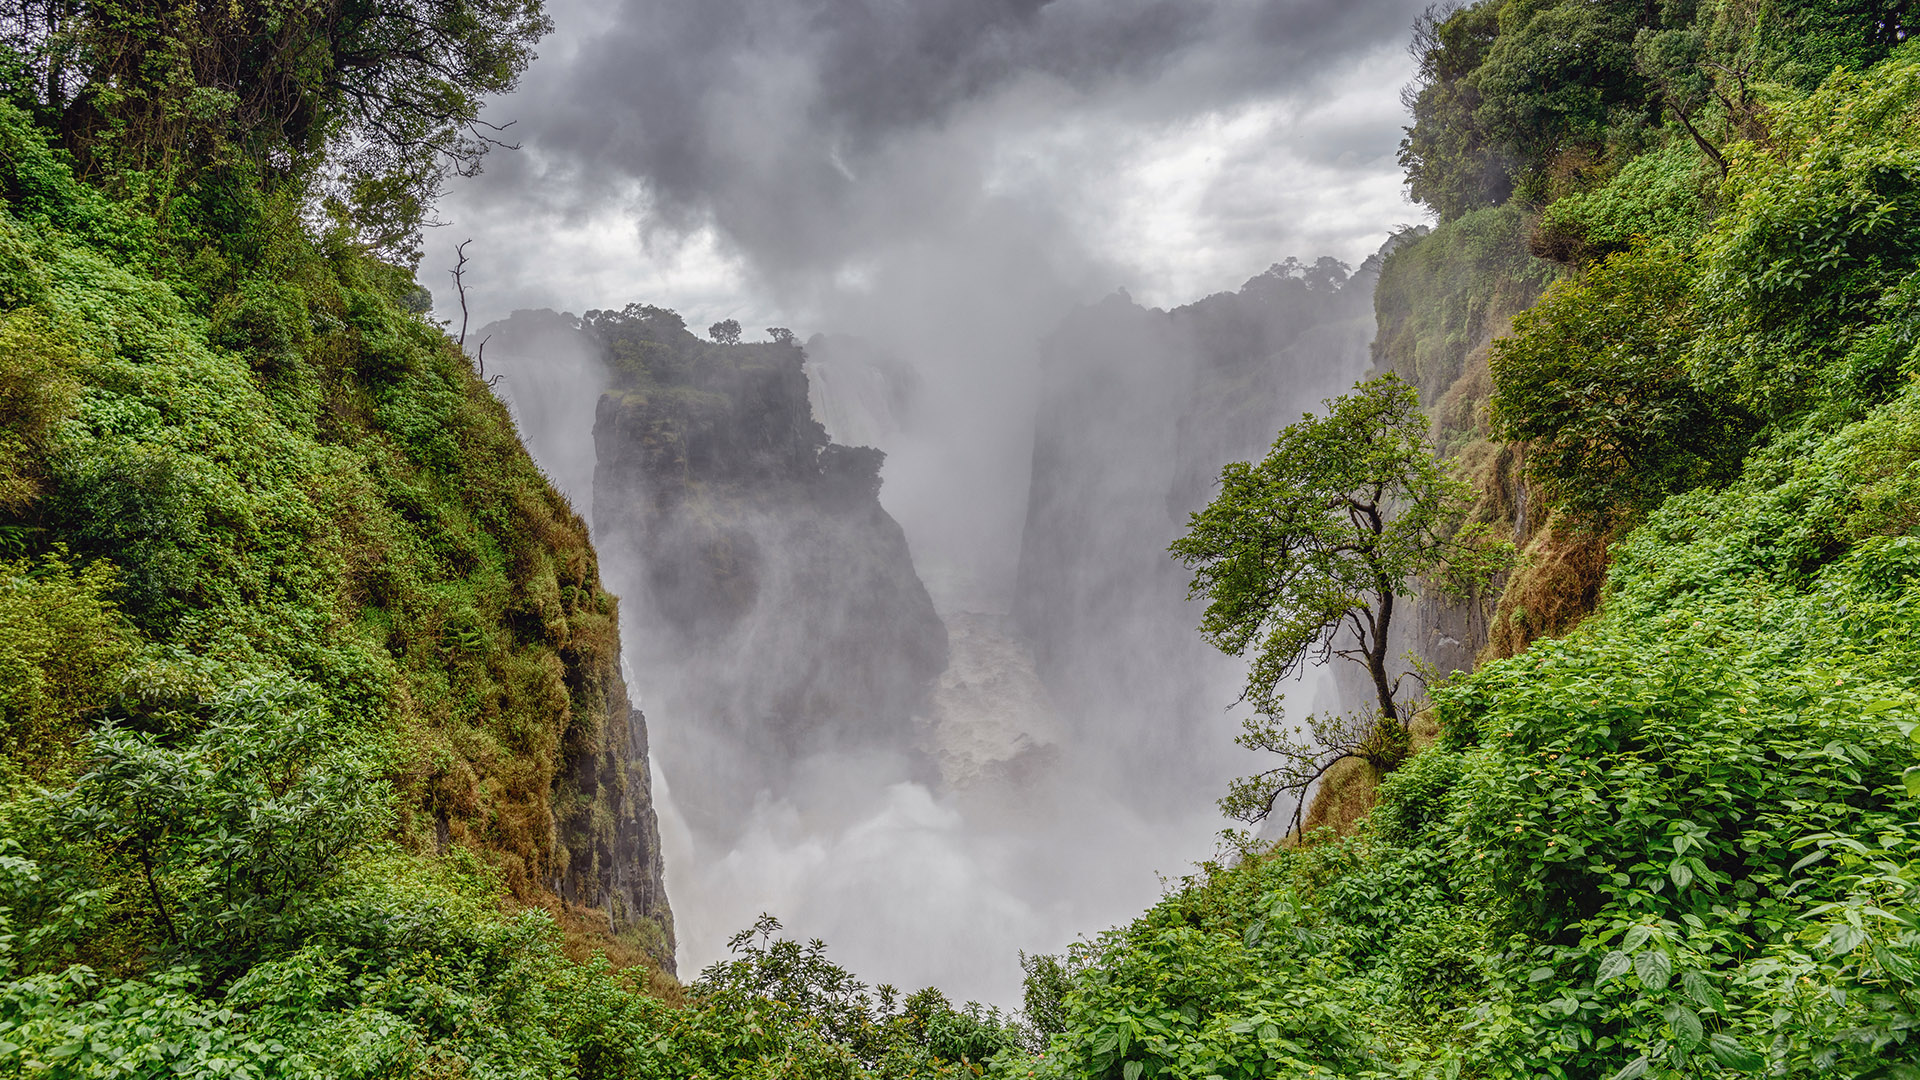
<point x="372" y="103"/>
<point x="1303" y="556"/>
<point x="1594" y="380"/>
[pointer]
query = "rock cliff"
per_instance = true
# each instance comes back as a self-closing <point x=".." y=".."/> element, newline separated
<point x="773" y="604"/>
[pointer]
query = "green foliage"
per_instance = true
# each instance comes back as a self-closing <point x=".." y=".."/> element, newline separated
<point x="1303" y="556"/>
<point x="237" y="825"/>
<point x="372" y="103"/>
<point x="37" y="389"/>
<point x="1323" y="534"/>
<point x="1680" y="842"/>
<point x="302" y="662"/>
<point x="1658" y="194"/>
<point x="1683" y="840"/>
<point x="62" y="649"/>
<point x="308" y="688"/>
<point x="1802" y="42"/>
<point x="1443" y="293"/>
<point x="1453" y="164"/>
<point x="1594" y="380"/>
<point x="922" y="1035"/>
<point x="1814" y="249"/>
<point x="1544" y="97"/>
<point x="266" y="321"/>
<point x="1558" y="74"/>
<point x="1044" y="986"/>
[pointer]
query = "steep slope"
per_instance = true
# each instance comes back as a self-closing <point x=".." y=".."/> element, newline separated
<point x="773" y="605"/>
<point x="1668" y="825"/>
<point x="312" y="545"/>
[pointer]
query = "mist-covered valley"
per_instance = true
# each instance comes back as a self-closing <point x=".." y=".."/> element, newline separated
<point x="712" y="539"/>
<point x="968" y="718"/>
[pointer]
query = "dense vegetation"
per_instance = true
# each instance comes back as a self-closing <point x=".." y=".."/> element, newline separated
<point x="1665" y="323"/>
<point x="307" y="688"/>
<point x="314" y="754"/>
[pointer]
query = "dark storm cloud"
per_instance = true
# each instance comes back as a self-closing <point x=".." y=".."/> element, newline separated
<point x="804" y="127"/>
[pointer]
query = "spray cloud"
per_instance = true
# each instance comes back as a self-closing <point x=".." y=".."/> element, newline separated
<point x="945" y="180"/>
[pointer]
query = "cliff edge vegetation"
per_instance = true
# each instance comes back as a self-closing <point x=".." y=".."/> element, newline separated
<point x="315" y="756"/>
<point x="1668" y="826"/>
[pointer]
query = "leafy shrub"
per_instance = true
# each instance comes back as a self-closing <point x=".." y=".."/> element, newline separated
<point x="1656" y="195"/>
<point x="921" y="1035"/>
<point x="37" y="390"/>
<point x="1816" y="240"/>
<point x="266" y="321"/>
<point x="1595" y="380"/>
<point x="236" y="825"/>
<point x="1678" y="842"/>
<point x="62" y="648"/>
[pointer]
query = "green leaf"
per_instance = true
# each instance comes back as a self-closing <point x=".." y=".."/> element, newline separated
<point x="1654" y="968"/>
<point x="1614" y="966"/>
<point x="1637" y="937"/>
<point x="1702" y="992"/>
<point x="1634" y="1069"/>
<point x="1681" y="873"/>
<point x="1730" y="1054"/>
<point x="1843" y="939"/>
<point x="1686" y="1025"/>
<point x="1540" y="975"/>
<point x="1132" y="1070"/>
<point x="1911" y="778"/>
<point x="1808" y="860"/>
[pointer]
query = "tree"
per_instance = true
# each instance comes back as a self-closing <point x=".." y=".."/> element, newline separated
<point x="1594" y="380"/>
<point x="233" y="828"/>
<point x="1452" y="164"/>
<point x="1303" y="557"/>
<point x="373" y="103"/>
<point x="726" y="331"/>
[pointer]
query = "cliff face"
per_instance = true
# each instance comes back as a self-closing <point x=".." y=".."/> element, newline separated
<point x="608" y="831"/>
<point x="301" y="508"/>
<point x="1444" y="295"/>
<point x="1139" y="410"/>
<point x="774" y="607"/>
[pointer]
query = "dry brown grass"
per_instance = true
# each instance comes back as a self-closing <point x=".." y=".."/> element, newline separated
<point x="586" y="933"/>
<point x="1557" y="585"/>
<point x="1348" y="792"/>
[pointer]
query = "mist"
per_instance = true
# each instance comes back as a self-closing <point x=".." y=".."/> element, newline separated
<point x="941" y="200"/>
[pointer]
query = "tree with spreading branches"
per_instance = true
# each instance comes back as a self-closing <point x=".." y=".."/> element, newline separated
<point x="1305" y="556"/>
<point x="368" y="104"/>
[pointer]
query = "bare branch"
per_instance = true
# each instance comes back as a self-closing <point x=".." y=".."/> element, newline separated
<point x="460" y="286"/>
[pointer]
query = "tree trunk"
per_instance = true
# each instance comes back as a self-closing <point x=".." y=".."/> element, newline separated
<point x="1377" y="651"/>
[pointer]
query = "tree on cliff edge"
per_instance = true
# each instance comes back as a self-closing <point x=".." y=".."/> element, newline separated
<point x="1302" y="558"/>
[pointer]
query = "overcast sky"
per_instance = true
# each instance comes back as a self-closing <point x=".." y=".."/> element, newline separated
<point x="784" y="161"/>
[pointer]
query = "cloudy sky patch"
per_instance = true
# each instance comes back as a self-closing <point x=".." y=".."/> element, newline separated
<point x="751" y="158"/>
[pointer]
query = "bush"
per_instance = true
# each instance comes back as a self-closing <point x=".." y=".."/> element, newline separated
<point x="1815" y="247"/>
<point x="37" y="392"/>
<point x="63" y="647"/>
<point x="1656" y="196"/>
<point x="1595" y="381"/>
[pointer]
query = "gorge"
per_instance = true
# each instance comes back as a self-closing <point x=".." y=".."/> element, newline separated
<point x="382" y="643"/>
<point x="802" y="693"/>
